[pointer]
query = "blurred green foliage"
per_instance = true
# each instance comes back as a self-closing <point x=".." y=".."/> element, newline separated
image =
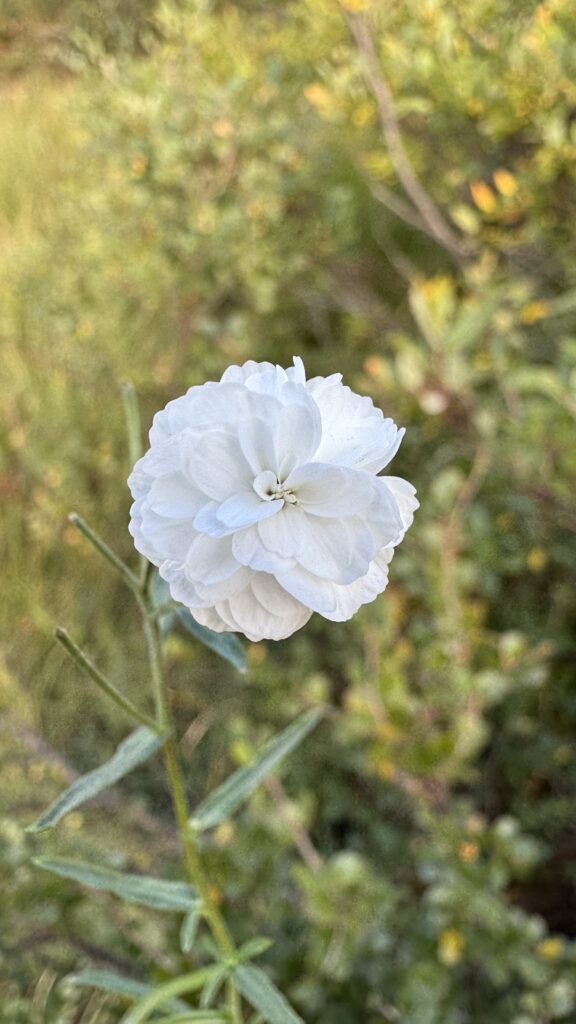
<point x="189" y="185"/>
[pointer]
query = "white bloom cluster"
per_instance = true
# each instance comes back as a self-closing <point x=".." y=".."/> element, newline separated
<point x="259" y="502"/>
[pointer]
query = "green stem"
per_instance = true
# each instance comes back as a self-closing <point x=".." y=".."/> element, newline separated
<point x="193" y="863"/>
<point x="134" y="431"/>
<point x="176" y="987"/>
<point x="104" y="550"/>
<point x="104" y="684"/>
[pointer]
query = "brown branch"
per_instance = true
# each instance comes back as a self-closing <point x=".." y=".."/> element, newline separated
<point x="433" y="220"/>
<point x="398" y="206"/>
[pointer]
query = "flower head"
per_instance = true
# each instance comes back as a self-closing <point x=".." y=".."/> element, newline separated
<point x="259" y="500"/>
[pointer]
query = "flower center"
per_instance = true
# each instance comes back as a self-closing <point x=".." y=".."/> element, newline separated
<point x="269" y="488"/>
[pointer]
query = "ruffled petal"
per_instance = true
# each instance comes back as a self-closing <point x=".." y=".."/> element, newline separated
<point x="405" y="496"/>
<point x="339" y="550"/>
<point x="240" y="559"/>
<point x="159" y="538"/>
<point x="245" y="509"/>
<point x="217" y="466"/>
<point x="354" y="432"/>
<point x="211" y="560"/>
<point x="327" y="490"/>
<point x="265" y="613"/>
<point x="174" y="497"/>
<point x="249" y="550"/>
<point x="334" y="601"/>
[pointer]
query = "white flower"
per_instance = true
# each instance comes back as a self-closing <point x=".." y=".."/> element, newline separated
<point x="259" y="502"/>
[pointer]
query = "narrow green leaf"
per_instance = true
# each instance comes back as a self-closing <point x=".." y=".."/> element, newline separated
<point x="259" y="991"/>
<point x="116" y="984"/>
<point x="224" y="800"/>
<point x="254" y="947"/>
<point x="227" y="645"/>
<point x="195" y="1017"/>
<point x="151" y="892"/>
<point x="211" y="989"/>
<point x="163" y="994"/>
<point x="137" y="748"/>
<point x="190" y="927"/>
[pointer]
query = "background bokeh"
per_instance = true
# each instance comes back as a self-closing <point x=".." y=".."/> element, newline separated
<point x="187" y="185"/>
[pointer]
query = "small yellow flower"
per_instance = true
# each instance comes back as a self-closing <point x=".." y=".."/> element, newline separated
<point x="483" y="196"/>
<point x="451" y="947"/>
<point x="468" y="852"/>
<point x="320" y="98"/>
<point x="505" y="182"/>
<point x="537" y="559"/>
<point x="551" y="949"/>
<point x="534" y="311"/>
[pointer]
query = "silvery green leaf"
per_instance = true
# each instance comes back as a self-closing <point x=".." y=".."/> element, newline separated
<point x="189" y="928"/>
<point x="224" y="800"/>
<point x="151" y="892"/>
<point x="210" y="991"/>
<point x="227" y="645"/>
<point x="133" y="751"/>
<point x="259" y="991"/>
<point x="254" y="947"/>
<point x="118" y="985"/>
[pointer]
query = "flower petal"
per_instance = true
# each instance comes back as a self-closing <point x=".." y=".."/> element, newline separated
<point x="257" y="442"/>
<point x="249" y="550"/>
<point x="327" y="490"/>
<point x="256" y="614"/>
<point x="217" y="466"/>
<point x="245" y="509"/>
<point x="340" y="550"/>
<point x="175" y="497"/>
<point x="354" y="431"/>
<point x="159" y="538"/>
<point x="297" y="435"/>
<point x="405" y="496"/>
<point x="210" y="559"/>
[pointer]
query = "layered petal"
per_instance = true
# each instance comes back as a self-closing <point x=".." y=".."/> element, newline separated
<point x="354" y="432"/>
<point x="259" y="502"/>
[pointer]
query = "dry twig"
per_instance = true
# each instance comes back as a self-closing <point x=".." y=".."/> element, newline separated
<point x="428" y="218"/>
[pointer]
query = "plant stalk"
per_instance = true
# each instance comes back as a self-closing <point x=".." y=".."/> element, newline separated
<point x="192" y="860"/>
<point x="77" y="654"/>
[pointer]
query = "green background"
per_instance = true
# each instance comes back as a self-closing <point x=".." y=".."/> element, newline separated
<point x="188" y="185"/>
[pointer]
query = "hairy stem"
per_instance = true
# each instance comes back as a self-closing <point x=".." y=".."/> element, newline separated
<point x="104" y="684"/>
<point x="192" y="860"/>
